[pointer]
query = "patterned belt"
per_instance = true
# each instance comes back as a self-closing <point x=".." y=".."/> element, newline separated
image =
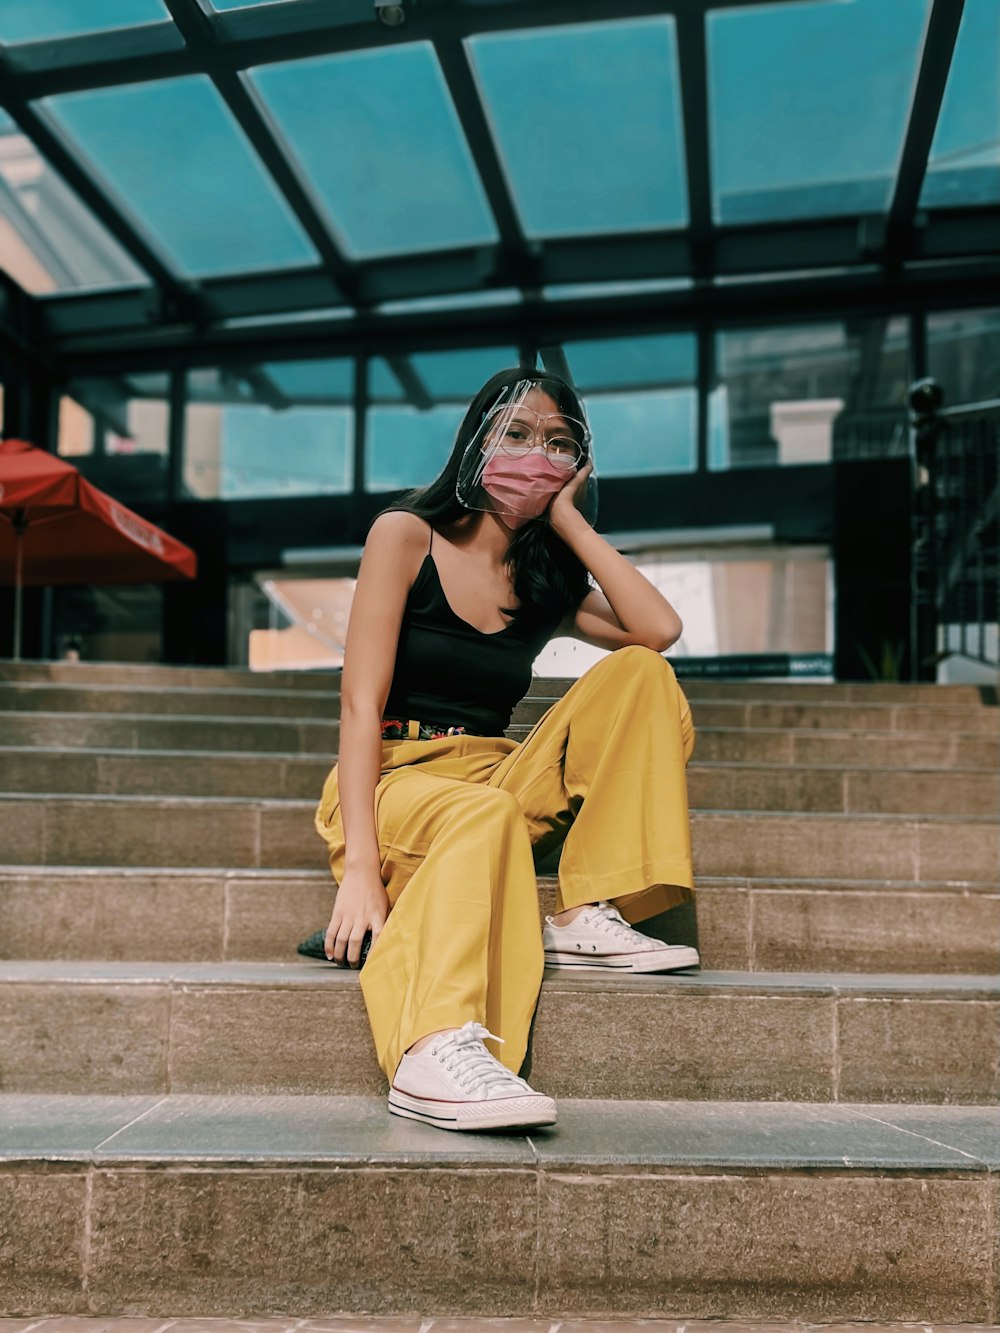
<point x="412" y="730"/>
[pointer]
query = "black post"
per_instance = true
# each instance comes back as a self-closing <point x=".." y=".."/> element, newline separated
<point x="926" y="397"/>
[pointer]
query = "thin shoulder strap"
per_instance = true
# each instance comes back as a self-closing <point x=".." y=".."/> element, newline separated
<point x="431" y="542"/>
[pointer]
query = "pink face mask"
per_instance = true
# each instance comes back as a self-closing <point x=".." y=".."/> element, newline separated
<point x="522" y="487"/>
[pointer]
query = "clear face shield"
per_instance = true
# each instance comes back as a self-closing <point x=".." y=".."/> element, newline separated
<point x="523" y="453"/>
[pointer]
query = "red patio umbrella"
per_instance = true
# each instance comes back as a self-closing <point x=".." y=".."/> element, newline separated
<point x="57" y="528"/>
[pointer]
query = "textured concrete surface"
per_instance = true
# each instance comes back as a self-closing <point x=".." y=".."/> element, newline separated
<point x="300" y="1027"/>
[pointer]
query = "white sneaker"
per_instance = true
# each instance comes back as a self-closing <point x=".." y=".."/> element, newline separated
<point x="601" y="938"/>
<point x="455" y="1083"/>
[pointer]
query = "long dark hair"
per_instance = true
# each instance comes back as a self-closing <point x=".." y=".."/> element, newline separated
<point x="549" y="580"/>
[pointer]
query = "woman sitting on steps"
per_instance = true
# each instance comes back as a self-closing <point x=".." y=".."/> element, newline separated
<point x="433" y="819"/>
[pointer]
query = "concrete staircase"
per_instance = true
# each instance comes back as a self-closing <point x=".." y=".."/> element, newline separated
<point x="192" y="1120"/>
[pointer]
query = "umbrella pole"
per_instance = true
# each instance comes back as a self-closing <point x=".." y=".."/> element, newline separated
<point x="20" y="524"/>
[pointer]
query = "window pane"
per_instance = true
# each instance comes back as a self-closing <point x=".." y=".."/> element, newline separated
<point x="48" y="240"/>
<point x="128" y="435"/>
<point x="653" y="427"/>
<point x="612" y="363"/>
<point x="34" y="20"/>
<point x="460" y="375"/>
<point x="407" y="447"/>
<point x="964" y="165"/>
<point x="386" y="155"/>
<point x="587" y="121"/>
<point x="808" y="106"/>
<point x="781" y="393"/>
<point x="963" y="354"/>
<point x="237" y="449"/>
<point x="643" y="433"/>
<point x="173" y="151"/>
<point x="318" y="381"/>
<point x="383" y="386"/>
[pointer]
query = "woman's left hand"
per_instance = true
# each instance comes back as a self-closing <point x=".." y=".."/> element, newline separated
<point x="567" y="504"/>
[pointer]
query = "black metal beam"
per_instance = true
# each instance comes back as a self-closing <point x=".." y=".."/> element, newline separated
<point x="412" y="385"/>
<point x="514" y="256"/>
<point x="200" y="37"/>
<point x="832" y="297"/>
<point x="693" y="66"/>
<point x="935" y="64"/>
<point x="261" y="35"/>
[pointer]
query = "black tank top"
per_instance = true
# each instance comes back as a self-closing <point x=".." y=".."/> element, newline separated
<point x="450" y="673"/>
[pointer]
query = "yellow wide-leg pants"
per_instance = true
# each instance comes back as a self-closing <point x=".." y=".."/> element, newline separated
<point x="461" y="821"/>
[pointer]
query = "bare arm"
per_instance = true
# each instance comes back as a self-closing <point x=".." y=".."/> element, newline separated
<point x="626" y="608"/>
<point x="389" y="565"/>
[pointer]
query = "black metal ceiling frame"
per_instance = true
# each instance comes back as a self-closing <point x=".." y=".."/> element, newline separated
<point x="223" y="45"/>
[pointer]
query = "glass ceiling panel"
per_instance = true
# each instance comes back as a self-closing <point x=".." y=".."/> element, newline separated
<point x="808" y="106"/>
<point x="393" y="170"/>
<point x="36" y="20"/>
<point x="616" y="363"/>
<point x="587" y="120"/>
<point x="964" y="165"/>
<point x="461" y="374"/>
<point x="49" y="240"/>
<point x="174" y="153"/>
<point x="326" y="381"/>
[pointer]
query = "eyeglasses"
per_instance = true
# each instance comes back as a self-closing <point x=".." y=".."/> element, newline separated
<point x="526" y="432"/>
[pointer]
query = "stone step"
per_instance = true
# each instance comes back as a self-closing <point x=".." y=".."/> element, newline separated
<point x="719" y="786"/>
<point x="236" y="832"/>
<point x="238" y="1206"/>
<point x="141" y="732"/>
<point x="260" y="915"/>
<point x="155" y="700"/>
<point x="873" y="749"/>
<point x="180" y="677"/>
<point x="323" y="705"/>
<point x="256" y="1028"/>
<point x="234" y="678"/>
<point x="290" y="737"/>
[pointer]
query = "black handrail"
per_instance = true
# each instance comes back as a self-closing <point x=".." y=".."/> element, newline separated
<point x="956" y="538"/>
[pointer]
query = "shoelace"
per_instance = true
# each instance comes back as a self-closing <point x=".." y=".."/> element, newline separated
<point x="609" y="920"/>
<point x="464" y="1053"/>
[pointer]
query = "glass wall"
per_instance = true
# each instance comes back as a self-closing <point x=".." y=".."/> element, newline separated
<point x="779" y="391"/>
<point x="963" y="355"/>
<point x="641" y="400"/>
<point x="417" y="405"/>
<point x="117" y="432"/>
<point x="285" y="428"/>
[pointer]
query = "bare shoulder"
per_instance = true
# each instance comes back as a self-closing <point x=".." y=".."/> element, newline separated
<point x="398" y="539"/>
<point x="399" y="530"/>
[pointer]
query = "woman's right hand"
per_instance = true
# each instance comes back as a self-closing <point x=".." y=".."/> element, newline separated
<point x="362" y="905"/>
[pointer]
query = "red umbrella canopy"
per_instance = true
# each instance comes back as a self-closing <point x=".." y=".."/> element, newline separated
<point x="74" y="533"/>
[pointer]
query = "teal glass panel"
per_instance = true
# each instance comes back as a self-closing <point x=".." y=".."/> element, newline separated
<point x="49" y="240"/>
<point x="380" y="140"/>
<point x="668" y="359"/>
<point x="407" y="447"/>
<point x="319" y="381"/>
<point x="587" y="120"/>
<point x="240" y="450"/>
<point x="808" y="106"/>
<point x="461" y="374"/>
<point x="383" y="386"/>
<point x="36" y="20"/>
<point x="173" y="152"/>
<point x="964" y="164"/>
<point x="644" y="433"/>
